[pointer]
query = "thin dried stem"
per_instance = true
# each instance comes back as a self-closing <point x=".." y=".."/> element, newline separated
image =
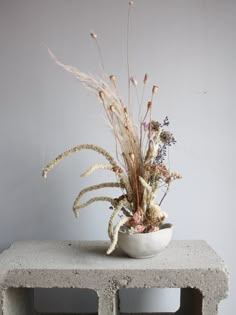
<point x="166" y="192"/>
<point x="127" y="52"/>
<point x="100" y="55"/>
<point x="141" y="103"/>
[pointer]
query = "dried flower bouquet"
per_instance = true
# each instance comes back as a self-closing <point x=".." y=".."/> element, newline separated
<point x="141" y="150"/>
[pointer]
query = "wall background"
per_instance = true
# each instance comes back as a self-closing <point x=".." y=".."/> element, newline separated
<point x="187" y="47"/>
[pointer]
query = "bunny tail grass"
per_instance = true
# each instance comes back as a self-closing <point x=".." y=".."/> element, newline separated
<point x="115" y="235"/>
<point x="90" y="201"/>
<point x="74" y="150"/>
<point x="91" y="188"/>
<point x="97" y="167"/>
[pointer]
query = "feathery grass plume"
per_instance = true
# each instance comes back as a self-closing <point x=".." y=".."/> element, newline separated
<point x="124" y="181"/>
<point x="93" y="147"/>
<point x="123" y="127"/>
<point x="97" y="167"/>
<point x="121" y="204"/>
<point x="115" y="235"/>
<point x="92" y="200"/>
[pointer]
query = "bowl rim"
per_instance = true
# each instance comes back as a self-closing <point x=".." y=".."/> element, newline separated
<point x="163" y="227"/>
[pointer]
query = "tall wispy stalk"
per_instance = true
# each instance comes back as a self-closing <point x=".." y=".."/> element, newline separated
<point x="94" y="36"/>
<point x="127" y="48"/>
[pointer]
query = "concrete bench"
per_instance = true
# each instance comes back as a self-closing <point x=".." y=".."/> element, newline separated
<point x="191" y="266"/>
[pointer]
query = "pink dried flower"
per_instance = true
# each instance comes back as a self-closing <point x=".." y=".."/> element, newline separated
<point x="145" y="125"/>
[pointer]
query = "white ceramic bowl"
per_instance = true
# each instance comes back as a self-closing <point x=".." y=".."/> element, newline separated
<point x="145" y="245"/>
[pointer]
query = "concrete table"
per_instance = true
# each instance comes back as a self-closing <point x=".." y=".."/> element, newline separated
<point x="190" y="265"/>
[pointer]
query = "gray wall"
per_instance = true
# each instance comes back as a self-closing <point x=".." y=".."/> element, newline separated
<point x="188" y="49"/>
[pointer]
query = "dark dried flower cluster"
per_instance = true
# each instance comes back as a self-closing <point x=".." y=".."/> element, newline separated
<point x="165" y="122"/>
<point x="166" y="138"/>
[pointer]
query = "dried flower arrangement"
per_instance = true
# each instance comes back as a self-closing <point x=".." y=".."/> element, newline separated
<point x="141" y="151"/>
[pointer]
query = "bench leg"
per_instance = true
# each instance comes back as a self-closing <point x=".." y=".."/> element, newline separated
<point x="210" y="306"/>
<point x="108" y="304"/>
<point x="190" y="302"/>
<point x="18" y="301"/>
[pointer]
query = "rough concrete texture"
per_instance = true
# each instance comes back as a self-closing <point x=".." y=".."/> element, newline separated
<point x="190" y="265"/>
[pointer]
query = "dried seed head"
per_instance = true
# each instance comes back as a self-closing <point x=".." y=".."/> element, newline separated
<point x="167" y="137"/>
<point x="145" y="78"/>
<point x="117" y="169"/>
<point x="93" y="35"/>
<point x="133" y="81"/>
<point x="149" y="105"/>
<point x="168" y="180"/>
<point x="155" y="125"/>
<point x="101" y="95"/>
<point x="125" y="110"/>
<point x="176" y="175"/>
<point x="112" y="78"/>
<point x="155" y="89"/>
<point x="131" y="156"/>
<point x="112" y="108"/>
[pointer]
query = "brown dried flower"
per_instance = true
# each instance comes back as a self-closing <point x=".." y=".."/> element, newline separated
<point x="149" y="105"/>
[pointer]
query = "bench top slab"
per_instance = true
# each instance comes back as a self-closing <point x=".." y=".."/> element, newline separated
<point x="90" y="255"/>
